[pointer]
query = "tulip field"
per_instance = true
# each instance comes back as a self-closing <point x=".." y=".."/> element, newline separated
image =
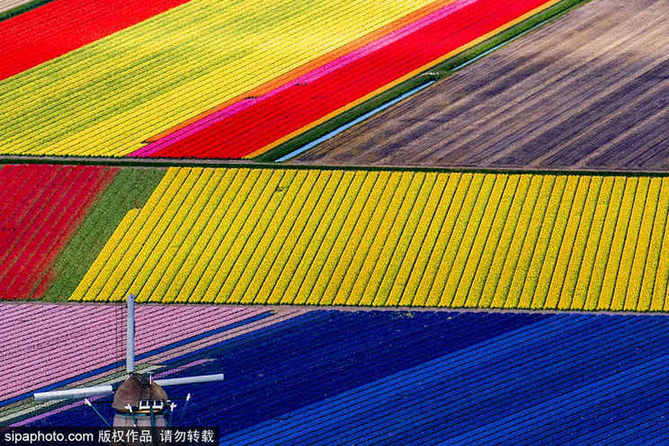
<point x="41" y="207"/>
<point x="200" y="79"/>
<point x="392" y="238"/>
<point x="383" y="221"/>
<point x="584" y="91"/>
<point x="193" y="79"/>
<point x="26" y="42"/>
<point x="393" y="377"/>
<point x="44" y="344"/>
<point x="340" y="84"/>
<point x="107" y="97"/>
<point x="54" y="218"/>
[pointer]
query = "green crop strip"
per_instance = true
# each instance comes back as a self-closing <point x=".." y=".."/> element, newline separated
<point x="130" y="189"/>
<point x="440" y="71"/>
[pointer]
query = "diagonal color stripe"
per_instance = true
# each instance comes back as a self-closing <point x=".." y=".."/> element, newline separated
<point x="130" y="85"/>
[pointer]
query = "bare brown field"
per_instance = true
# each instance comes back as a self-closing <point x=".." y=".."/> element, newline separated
<point x="588" y="91"/>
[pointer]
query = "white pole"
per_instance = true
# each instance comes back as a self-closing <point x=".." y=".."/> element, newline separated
<point x="130" y="335"/>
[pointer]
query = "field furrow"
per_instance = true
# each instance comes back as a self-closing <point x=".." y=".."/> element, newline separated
<point x="298" y="241"/>
<point x="518" y="276"/>
<point x="204" y="260"/>
<point x="555" y="244"/>
<point x="332" y="272"/>
<point x="497" y="203"/>
<point x="412" y="235"/>
<point x="563" y="283"/>
<point x="240" y="243"/>
<point x="629" y="248"/>
<point x="641" y="251"/>
<point x="601" y="257"/>
<point x="413" y="264"/>
<point x="299" y="287"/>
<point x="387" y="237"/>
<point x="615" y="257"/>
<point x="660" y="297"/>
<point x="217" y="184"/>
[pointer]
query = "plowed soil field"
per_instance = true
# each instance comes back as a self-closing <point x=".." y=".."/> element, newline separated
<point x="588" y="91"/>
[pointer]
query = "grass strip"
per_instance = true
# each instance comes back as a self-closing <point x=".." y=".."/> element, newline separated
<point x="439" y="71"/>
<point x="130" y="189"/>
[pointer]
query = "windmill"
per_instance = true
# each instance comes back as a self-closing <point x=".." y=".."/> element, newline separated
<point x="139" y="400"/>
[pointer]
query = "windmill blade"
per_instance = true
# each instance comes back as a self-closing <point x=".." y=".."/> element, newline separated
<point x="189" y="380"/>
<point x="81" y="392"/>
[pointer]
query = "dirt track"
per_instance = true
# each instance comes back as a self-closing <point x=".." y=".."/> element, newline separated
<point x="590" y="90"/>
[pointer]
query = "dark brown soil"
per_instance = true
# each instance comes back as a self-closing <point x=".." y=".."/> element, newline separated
<point x="590" y="90"/>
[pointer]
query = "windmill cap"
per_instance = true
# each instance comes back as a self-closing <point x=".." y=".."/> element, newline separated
<point x="136" y="388"/>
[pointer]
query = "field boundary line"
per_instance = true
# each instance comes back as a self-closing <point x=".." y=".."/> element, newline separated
<point x="250" y="164"/>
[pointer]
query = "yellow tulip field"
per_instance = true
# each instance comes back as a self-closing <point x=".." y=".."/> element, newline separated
<point x="392" y="238"/>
